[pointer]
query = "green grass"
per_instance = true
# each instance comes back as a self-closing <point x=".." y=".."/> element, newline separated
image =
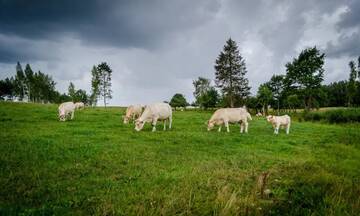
<point x="96" y="165"/>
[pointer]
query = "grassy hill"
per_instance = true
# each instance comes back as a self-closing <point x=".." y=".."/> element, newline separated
<point x="97" y="165"/>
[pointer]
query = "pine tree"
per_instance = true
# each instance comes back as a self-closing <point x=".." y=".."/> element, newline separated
<point x="230" y="70"/>
<point x="104" y="72"/>
<point x="20" y="82"/>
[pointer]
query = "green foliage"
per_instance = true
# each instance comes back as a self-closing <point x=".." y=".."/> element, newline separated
<point x="334" y="116"/>
<point x="210" y="98"/>
<point x="178" y="100"/>
<point x="95" y="82"/>
<point x="20" y="82"/>
<point x="36" y="87"/>
<point x="305" y="74"/>
<point x="206" y="95"/>
<point x="352" y="84"/>
<point x="94" y="165"/>
<point x="104" y="83"/>
<point x="71" y="91"/>
<point x="7" y="88"/>
<point x="264" y="96"/>
<point x="230" y="71"/>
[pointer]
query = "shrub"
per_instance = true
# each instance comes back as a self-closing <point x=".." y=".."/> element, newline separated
<point x="334" y="116"/>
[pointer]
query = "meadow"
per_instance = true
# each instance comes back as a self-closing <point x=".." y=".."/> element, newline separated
<point x="95" y="165"/>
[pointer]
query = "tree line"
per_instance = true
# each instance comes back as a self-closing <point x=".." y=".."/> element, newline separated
<point x="39" y="87"/>
<point x="300" y="87"/>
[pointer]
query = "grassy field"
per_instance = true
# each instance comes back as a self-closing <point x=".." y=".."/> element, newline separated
<point x="96" y="165"/>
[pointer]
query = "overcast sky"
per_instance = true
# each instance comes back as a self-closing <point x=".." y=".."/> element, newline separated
<point x="156" y="48"/>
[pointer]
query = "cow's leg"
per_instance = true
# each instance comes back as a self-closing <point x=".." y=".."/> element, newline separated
<point x="241" y="127"/>
<point x="164" y="124"/>
<point x="72" y="115"/>
<point x="277" y="128"/>
<point x="288" y="128"/>
<point x="246" y="126"/>
<point x="170" y="121"/>
<point x="219" y="130"/>
<point x="154" y="124"/>
<point x="227" y="126"/>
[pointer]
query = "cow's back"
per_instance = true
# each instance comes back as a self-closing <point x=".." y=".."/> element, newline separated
<point x="161" y="110"/>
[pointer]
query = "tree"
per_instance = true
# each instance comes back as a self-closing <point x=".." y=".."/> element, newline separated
<point x="20" y="82"/>
<point x="71" y="91"/>
<point x="276" y="86"/>
<point x="178" y="100"/>
<point x="264" y="96"/>
<point x="95" y="82"/>
<point x="80" y="95"/>
<point x="230" y="70"/>
<point x="201" y="85"/>
<point x="352" y="84"/>
<point x="305" y="74"/>
<point x="210" y="98"/>
<point x="7" y="88"/>
<point x="337" y="93"/>
<point x="104" y="74"/>
<point x="293" y="101"/>
<point x="206" y="96"/>
<point x="29" y="79"/>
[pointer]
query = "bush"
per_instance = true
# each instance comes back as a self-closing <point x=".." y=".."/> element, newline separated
<point x="334" y="116"/>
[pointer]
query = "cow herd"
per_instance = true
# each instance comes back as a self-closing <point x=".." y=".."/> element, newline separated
<point x="155" y="112"/>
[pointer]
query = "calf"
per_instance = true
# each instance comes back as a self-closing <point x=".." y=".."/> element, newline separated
<point x="278" y="121"/>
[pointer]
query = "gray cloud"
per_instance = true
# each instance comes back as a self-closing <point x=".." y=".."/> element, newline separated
<point x="114" y="23"/>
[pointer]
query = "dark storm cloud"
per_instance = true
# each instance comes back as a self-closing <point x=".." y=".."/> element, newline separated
<point x="351" y="18"/>
<point x="348" y="43"/>
<point x="117" y="23"/>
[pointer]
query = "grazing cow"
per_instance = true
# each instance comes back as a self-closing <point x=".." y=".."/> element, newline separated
<point x="258" y="114"/>
<point x="278" y="121"/>
<point x="230" y="115"/>
<point x="153" y="113"/>
<point x="79" y="105"/>
<point x="65" y="109"/>
<point x="132" y="112"/>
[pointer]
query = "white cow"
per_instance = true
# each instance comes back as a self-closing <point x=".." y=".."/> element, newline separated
<point x="79" y="105"/>
<point x="132" y="112"/>
<point x="230" y="115"/>
<point x="65" y="109"/>
<point x="258" y="114"/>
<point x="278" y="121"/>
<point x="153" y="113"/>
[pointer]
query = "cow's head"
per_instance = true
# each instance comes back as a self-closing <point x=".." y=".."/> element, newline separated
<point x="126" y="119"/>
<point x="62" y="115"/>
<point x="269" y="118"/>
<point x="139" y="124"/>
<point x="210" y="125"/>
